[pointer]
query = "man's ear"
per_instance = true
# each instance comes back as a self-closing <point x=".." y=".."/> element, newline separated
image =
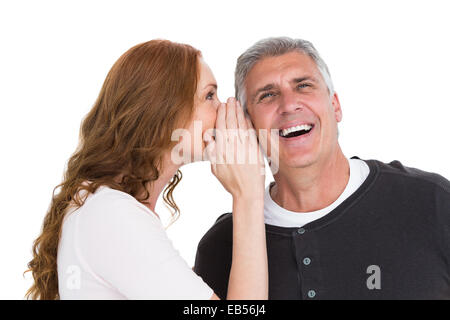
<point x="336" y="107"/>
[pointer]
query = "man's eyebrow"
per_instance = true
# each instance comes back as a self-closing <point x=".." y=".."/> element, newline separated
<point x="301" y="79"/>
<point x="265" y="88"/>
<point x="270" y="86"/>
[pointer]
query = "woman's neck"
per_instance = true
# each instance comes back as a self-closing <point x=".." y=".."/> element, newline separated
<point x="155" y="188"/>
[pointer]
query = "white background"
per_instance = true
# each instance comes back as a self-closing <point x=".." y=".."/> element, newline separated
<point x="389" y="61"/>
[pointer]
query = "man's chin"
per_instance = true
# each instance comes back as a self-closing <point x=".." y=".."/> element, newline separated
<point x="298" y="161"/>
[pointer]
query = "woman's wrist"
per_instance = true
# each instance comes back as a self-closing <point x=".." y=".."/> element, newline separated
<point x="249" y="196"/>
<point x="248" y="206"/>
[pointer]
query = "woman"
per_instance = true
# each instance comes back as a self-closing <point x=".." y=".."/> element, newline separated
<point x="101" y="238"/>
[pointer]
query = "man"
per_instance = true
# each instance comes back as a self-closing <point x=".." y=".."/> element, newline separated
<point x="336" y="228"/>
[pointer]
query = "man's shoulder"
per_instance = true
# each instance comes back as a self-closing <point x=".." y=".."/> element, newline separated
<point x="224" y="218"/>
<point x="395" y="170"/>
<point x="221" y="231"/>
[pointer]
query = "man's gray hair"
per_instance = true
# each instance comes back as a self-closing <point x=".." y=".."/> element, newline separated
<point x="272" y="47"/>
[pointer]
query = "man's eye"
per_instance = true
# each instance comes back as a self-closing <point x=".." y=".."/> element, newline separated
<point x="303" y="85"/>
<point x="265" y="95"/>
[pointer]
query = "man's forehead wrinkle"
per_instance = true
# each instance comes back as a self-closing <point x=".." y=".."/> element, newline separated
<point x="289" y="73"/>
<point x="279" y="80"/>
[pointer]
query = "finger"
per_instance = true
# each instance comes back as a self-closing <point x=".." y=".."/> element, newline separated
<point x="248" y="121"/>
<point x="231" y="114"/>
<point x="210" y="151"/>
<point x="221" y="117"/>
<point x="251" y="131"/>
<point x="261" y="157"/>
<point x="220" y="137"/>
<point x="207" y="137"/>
<point x="211" y="154"/>
<point x="232" y="130"/>
<point x="242" y="124"/>
<point x="220" y="146"/>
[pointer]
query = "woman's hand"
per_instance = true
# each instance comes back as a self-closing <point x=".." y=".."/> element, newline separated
<point x="236" y="159"/>
<point x="237" y="162"/>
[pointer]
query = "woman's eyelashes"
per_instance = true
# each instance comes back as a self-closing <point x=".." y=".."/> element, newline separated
<point x="210" y="95"/>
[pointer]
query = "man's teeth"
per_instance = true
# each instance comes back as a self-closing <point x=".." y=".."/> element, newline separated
<point x="305" y="127"/>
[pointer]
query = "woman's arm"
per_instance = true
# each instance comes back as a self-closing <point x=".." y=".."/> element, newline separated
<point x="248" y="275"/>
<point x="244" y="180"/>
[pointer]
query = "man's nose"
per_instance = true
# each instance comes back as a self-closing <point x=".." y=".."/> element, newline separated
<point x="289" y="102"/>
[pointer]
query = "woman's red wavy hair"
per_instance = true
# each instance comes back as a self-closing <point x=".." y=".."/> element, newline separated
<point x="148" y="93"/>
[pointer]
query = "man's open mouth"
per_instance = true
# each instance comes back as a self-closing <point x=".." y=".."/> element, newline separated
<point x="295" y="131"/>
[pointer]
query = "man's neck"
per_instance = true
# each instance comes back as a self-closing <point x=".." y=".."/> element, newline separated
<point x="313" y="187"/>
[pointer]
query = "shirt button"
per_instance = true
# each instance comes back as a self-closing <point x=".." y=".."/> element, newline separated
<point x="311" y="294"/>
<point x="306" y="261"/>
<point x="301" y="231"/>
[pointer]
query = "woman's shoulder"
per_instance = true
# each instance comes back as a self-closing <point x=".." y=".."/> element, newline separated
<point x="112" y="219"/>
<point x="108" y="203"/>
